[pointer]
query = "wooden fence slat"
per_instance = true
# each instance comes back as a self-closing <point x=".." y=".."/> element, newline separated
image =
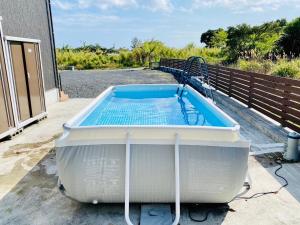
<point x="278" y="85"/>
<point x="293" y="119"/>
<point x="269" y="84"/>
<point x="224" y="86"/>
<point x="278" y="79"/>
<point x="268" y="108"/>
<point x="266" y="112"/>
<point x="240" y="94"/>
<point x="294" y="104"/>
<point x="293" y="89"/>
<point x="243" y="91"/>
<point x="239" y="81"/>
<point x="224" y="75"/>
<point x="267" y="89"/>
<point x="224" y="80"/>
<point x="293" y="126"/>
<point x="293" y="112"/>
<point x="241" y="86"/>
<point x="268" y="95"/>
<point x="223" y="89"/>
<point x="267" y="101"/>
<point x="239" y="98"/>
<point x="238" y="72"/>
<point x="294" y="97"/>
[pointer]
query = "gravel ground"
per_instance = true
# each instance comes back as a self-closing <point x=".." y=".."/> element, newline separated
<point x="89" y="84"/>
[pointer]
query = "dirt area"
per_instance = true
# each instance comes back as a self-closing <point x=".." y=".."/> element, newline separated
<point x="29" y="194"/>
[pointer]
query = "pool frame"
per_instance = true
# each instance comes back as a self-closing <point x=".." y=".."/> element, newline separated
<point x="159" y="134"/>
<point x="84" y="155"/>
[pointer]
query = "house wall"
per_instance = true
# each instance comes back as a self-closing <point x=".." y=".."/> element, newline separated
<point x="29" y="19"/>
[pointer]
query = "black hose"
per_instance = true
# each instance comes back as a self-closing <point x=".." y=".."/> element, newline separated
<point x="217" y="208"/>
<point x="259" y="194"/>
<point x="256" y="195"/>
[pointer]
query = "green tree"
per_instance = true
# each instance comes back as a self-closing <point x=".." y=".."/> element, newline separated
<point x="135" y="42"/>
<point x="290" y="40"/>
<point x="206" y="37"/>
<point x="238" y="41"/>
<point x="219" y="39"/>
<point x="265" y="36"/>
<point x="244" y="41"/>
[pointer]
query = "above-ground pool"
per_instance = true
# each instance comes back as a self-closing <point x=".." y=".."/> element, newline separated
<point x="144" y="143"/>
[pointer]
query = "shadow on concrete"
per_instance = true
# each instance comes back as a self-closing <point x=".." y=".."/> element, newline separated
<point x="204" y="213"/>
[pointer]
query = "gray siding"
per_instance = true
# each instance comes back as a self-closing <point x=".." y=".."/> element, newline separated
<point x="28" y="19"/>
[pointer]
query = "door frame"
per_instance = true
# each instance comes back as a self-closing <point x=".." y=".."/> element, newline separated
<point x="7" y="40"/>
<point x="11" y="129"/>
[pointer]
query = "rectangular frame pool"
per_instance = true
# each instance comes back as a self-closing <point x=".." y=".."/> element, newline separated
<point x="151" y="163"/>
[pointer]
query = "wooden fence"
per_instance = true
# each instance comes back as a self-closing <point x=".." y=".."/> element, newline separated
<point x="275" y="97"/>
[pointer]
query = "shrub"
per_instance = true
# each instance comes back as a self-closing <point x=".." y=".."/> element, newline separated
<point x="92" y="57"/>
<point x="282" y="67"/>
<point x="95" y="57"/>
<point x="251" y="66"/>
<point x="287" y="69"/>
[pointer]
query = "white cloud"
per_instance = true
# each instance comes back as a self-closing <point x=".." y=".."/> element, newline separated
<point x="245" y="5"/>
<point x="64" y="5"/>
<point x="161" y="5"/>
<point x="153" y="5"/>
<point x="257" y="9"/>
<point x="106" y="4"/>
<point x="167" y="6"/>
<point x="84" y="19"/>
<point x="85" y="4"/>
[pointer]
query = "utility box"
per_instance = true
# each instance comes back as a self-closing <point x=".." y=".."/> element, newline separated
<point x="292" y="152"/>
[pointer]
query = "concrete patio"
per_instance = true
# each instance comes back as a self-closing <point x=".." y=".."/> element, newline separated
<point x="28" y="191"/>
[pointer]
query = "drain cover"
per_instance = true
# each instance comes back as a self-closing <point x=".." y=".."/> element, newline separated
<point x="156" y="214"/>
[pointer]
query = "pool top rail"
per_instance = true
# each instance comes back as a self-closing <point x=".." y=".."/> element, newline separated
<point x="163" y="134"/>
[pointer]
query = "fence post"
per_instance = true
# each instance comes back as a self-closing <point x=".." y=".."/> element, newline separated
<point x="230" y="83"/>
<point x="217" y="76"/>
<point x="250" y="90"/>
<point x="285" y="104"/>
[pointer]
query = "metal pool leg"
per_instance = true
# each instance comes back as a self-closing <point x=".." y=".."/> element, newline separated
<point x="177" y="182"/>
<point x="127" y="180"/>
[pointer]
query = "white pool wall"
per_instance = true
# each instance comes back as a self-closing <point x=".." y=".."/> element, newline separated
<point x="208" y="174"/>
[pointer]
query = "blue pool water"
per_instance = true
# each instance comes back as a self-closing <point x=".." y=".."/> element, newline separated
<point x="154" y="107"/>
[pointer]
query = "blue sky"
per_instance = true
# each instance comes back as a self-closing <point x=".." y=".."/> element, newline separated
<point x="177" y="23"/>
